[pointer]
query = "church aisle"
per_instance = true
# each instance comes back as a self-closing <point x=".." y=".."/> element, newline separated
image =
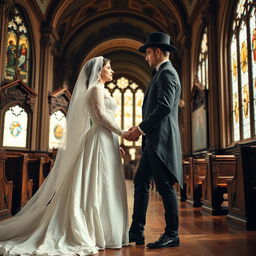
<point x="200" y="234"/>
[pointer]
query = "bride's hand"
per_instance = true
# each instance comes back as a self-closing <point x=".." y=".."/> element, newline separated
<point x="122" y="152"/>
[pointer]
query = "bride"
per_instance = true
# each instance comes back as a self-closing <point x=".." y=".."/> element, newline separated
<point x="82" y="206"/>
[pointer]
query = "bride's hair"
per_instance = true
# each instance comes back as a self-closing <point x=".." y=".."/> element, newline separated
<point x="105" y="61"/>
<point x="90" y="69"/>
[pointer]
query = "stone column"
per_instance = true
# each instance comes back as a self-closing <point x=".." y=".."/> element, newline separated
<point x="214" y="86"/>
<point x="185" y="121"/>
<point x="48" y="41"/>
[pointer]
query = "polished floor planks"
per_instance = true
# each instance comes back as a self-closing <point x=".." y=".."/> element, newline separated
<point x="200" y="234"/>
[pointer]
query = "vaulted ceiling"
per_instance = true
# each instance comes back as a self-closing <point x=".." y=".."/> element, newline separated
<point x="113" y="28"/>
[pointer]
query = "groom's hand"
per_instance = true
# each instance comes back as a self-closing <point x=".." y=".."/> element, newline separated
<point x="133" y="134"/>
<point x="125" y="135"/>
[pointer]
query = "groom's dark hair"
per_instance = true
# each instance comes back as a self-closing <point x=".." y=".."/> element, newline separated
<point x="162" y="49"/>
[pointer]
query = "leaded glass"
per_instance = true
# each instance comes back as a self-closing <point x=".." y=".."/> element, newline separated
<point x="253" y="54"/>
<point x="57" y="129"/>
<point x="134" y="86"/>
<point x="117" y="95"/>
<point x="122" y="82"/>
<point x="234" y="72"/>
<point x="240" y="8"/>
<point x="111" y="86"/>
<point x="129" y="98"/>
<point x="138" y="110"/>
<point x="242" y="84"/>
<point x="244" y="81"/>
<point x="128" y="113"/>
<point x="202" y="69"/>
<point x="15" y="127"/>
<point x="18" y="49"/>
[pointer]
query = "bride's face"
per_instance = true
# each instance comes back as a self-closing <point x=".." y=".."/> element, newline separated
<point x="107" y="73"/>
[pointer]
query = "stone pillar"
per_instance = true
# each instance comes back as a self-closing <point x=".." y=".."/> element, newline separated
<point x="48" y="40"/>
<point x="214" y="87"/>
<point x="185" y="122"/>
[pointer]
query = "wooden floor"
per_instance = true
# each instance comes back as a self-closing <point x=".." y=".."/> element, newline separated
<point x="200" y="234"/>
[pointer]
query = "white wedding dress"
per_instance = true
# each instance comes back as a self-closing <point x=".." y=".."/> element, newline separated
<point x="89" y="211"/>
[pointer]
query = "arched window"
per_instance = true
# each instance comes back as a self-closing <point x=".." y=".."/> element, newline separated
<point x="57" y="127"/>
<point x="242" y="60"/>
<point x="15" y="127"/>
<point x="17" y="63"/>
<point x="129" y="97"/>
<point x="199" y="110"/>
<point x="202" y="68"/>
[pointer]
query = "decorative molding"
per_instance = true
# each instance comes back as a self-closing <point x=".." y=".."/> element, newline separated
<point x="9" y="8"/>
<point x="59" y="99"/>
<point x="150" y="10"/>
<point x="17" y="91"/>
<point x="49" y="38"/>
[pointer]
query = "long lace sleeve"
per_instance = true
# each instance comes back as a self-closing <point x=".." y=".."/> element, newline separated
<point x="97" y="101"/>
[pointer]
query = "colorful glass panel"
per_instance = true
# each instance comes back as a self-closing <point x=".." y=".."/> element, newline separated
<point x="235" y="95"/>
<point x="57" y="129"/>
<point x="253" y="56"/>
<point x="202" y="69"/>
<point x="18" y="50"/>
<point x="117" y="95"/>
<point x="244" y="81"/>
<point x="15" y="127"/>
<point x="122" y="82"/>
<point x="138" y="111"/>
<point x="128" y="113"/>
<point x="243" y="58"/>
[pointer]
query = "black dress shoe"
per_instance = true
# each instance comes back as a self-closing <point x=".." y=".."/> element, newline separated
<point x="165" y="241"/>
<point x="138" y="238"/>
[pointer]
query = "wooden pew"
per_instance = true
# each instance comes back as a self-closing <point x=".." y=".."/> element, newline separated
<point x="187" y="191"/>
<point x="249" y="167"/>
<point x="16" y="170"/>
<point x="6" y="188"/>
<point x="221" y="169"/>
<point x="39" y="165"/>
<point x="200" y="166"/>
<point x="242" y="188"/>
<point x="35" y="172"/>
<point x="47" y="166"/>
<point x="27" y="170"/>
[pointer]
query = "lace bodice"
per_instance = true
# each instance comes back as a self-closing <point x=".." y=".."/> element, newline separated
<point x="102" y="108"/>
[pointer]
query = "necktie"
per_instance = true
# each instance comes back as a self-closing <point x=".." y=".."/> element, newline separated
<point x="154" y="72"/>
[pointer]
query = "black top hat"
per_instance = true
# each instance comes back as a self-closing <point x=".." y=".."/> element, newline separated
<point x="158" y="39"/>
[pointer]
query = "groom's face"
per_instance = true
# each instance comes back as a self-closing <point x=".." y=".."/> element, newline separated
<point x="151" y="57"/>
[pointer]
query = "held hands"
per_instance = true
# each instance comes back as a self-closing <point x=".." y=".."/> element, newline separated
<point x="132" y="134"/>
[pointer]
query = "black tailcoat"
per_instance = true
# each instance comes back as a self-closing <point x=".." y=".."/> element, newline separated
<point x="160" y="119"/>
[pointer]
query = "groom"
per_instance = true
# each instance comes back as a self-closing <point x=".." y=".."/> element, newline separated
<point x="161" y="156"/>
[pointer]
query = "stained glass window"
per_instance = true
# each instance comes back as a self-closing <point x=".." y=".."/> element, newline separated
<point x="57" y="129"/>
<point x="202" y="70"/>
<point x="117" y="95"/>
<point x="138" y="110"/>
<point x="15" y="127"/>
<point x="129" y="97"/>
<point x="242" y="67"/>
<point x="253" y="56"/>
<point x="199" y="114"/>
<point x="17" y="50"/>
<point x="128" y="113"/>
<point x="234" y="72"/>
